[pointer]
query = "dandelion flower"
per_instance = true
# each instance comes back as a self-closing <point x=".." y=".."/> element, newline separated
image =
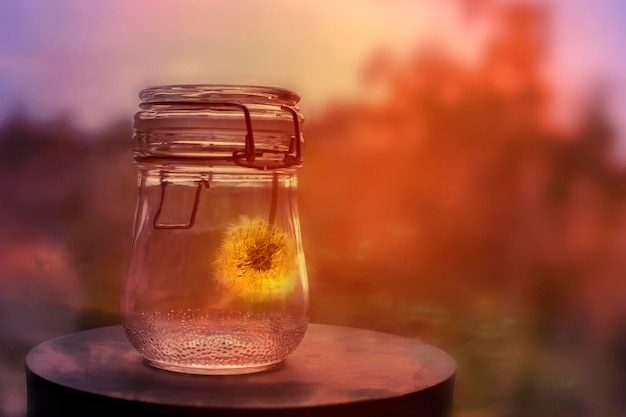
<point x="256" y="260"/>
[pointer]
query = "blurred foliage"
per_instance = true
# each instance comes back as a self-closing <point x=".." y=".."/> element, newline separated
<point x="451" y="209"/>
<point x="77" y="191"/>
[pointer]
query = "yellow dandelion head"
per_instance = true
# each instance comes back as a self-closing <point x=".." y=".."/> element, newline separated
<point x="256" y="260"/>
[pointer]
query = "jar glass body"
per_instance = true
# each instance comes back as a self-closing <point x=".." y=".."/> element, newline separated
<point x="216" y="280"/>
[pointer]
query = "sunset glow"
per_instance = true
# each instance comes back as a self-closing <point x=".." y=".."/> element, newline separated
<point x="90" y="59"/>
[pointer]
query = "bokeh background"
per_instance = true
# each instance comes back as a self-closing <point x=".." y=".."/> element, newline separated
<point x="464" y="179"/>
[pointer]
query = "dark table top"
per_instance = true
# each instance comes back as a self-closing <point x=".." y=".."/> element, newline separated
<point x="335" y="370"/>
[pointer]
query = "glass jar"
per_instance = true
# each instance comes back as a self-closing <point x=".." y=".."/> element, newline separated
<point x="216" y="280"/>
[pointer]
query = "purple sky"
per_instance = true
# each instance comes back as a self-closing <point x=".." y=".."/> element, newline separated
<point x="89" y="59"/>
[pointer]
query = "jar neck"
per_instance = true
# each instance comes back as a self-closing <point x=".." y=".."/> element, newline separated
<point x="252" y="127"/>
<point x="172" y="171"/>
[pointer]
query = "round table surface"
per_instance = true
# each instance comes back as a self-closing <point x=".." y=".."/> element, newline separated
<point x="334" y="370"/>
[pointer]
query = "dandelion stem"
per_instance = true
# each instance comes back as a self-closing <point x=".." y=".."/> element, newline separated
<point x="272" y="218"/>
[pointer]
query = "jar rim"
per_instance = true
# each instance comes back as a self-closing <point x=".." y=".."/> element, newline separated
<point x="211" y="93"/>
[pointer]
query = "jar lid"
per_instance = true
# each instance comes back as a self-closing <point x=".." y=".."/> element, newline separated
<point x="212" y="93"/>
<point x="251" y="126"/>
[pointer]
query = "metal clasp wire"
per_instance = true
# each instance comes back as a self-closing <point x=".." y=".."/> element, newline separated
<point x="250" y="153"/>
<point x="194" y="210"/>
